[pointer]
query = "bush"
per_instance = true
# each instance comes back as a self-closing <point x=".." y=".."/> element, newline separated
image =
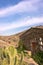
<point x="38" y="57"/>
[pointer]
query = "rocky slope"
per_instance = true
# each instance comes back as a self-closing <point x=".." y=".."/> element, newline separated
<point x="13" y="39"/>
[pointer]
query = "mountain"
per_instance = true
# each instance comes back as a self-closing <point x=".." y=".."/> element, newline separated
<point x="14" y="39"/>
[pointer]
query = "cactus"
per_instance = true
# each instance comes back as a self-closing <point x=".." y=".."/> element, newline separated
<point x="16" y="60"/>
<point x="5" y="62"/>
<point x="12" y="52"/>
<point x="9" y="57"/>
<point x="0" y="61"/>
<point x="21" y="60"/>
<point x="0" y="52"/>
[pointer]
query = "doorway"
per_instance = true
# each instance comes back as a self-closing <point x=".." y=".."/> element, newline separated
<point x="34" y="46"/>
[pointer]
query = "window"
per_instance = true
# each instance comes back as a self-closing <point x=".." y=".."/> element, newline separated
<point x="40" y="41"/>
<point x="41" y="48"/>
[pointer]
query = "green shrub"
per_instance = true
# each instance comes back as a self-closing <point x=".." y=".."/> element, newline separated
<point x="38" y="57"/>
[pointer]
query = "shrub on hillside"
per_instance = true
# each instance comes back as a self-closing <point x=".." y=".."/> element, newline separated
<point x="38" y="57"/>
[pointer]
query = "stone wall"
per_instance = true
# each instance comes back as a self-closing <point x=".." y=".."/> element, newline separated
<point x="32" y="34"/>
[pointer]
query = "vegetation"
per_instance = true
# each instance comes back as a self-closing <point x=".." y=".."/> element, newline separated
<point x="21" y="48"/>
<point x="38" y="57"/>
<point x="9" y="56"/>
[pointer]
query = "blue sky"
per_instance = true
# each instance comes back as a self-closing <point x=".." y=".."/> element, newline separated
<point x="19" y="15"/>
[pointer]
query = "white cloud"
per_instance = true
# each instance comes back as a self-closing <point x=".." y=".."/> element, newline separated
<point x="22" y="23"/>
<point x="23" y="6"/>
<point x="34" y="20"/>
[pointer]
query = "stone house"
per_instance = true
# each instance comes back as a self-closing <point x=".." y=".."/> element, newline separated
<point x="33" y="39"/>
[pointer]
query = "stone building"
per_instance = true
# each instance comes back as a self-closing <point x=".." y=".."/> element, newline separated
<point x="33" y="39"/>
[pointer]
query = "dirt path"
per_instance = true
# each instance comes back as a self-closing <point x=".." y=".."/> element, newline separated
<point x="30" y="61"/>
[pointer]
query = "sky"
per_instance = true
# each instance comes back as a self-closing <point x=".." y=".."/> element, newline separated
<point x="19" y="15"/>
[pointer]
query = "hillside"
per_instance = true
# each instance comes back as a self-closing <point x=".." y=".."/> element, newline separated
<point x="14" y="39"/>
<point x="9" y="40"/>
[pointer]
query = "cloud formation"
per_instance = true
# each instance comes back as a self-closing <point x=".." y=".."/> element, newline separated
<point x="26" y="22"/>
<point x="31" y="12"/>
<point x="23" y="6"/>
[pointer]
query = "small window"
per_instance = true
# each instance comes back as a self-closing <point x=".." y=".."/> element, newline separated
<point x="40" y="39"/>
<point x="41" y="48"/>
<point x="41" y="43"/>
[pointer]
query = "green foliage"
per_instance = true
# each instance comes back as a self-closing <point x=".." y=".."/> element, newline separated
<point x="21" y="48"/>
<point x="9" y="56"/>
<point x="22" y="56"/>
<point x="38" y="57"/>
<point x="20" y="45"/>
